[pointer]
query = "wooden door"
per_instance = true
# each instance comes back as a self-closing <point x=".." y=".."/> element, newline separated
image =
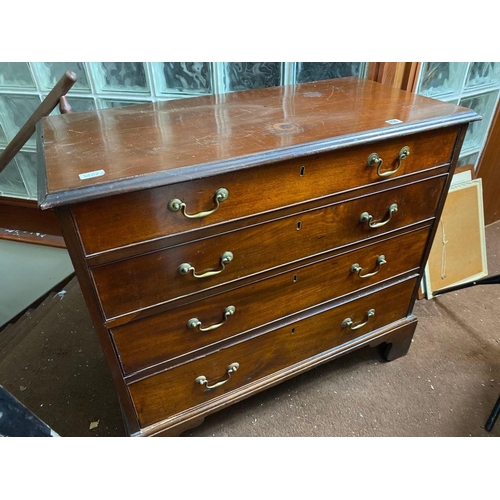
<point x="489" y="171"/>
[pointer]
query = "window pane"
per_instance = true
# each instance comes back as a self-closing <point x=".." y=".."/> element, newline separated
<point x="483" y="73"/>
<point x="16" y="75"/>
<point x="484" y="105"/>
<point x="27" y="163"/>
<point x="15" y="111"/>
<point x="113" y="103"/>
<point x="186" y="77"/>
<point x="49" y="73"/>
<point x="314" y="71"/>
<point x="78" y="105"/>
<point x="11" y="181"/>
<point x="441" y="79"/>
<point x="3" y="138"/>
<point x="121" y="77"/>
<point x="252" y="75"/>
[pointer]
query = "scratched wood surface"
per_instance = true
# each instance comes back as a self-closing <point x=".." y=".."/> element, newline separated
<point x="116" y="222"/>
<point x="102" y="152"/>
<point x="174" y="390"/>
<point x="166" y="336"/>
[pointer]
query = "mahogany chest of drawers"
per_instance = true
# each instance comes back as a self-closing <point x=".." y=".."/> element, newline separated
<point x="227" y="243"/>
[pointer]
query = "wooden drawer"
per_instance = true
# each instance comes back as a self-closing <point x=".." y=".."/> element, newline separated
<point x="161" y="337"/>
<point x="307" y="169"/>
<point x="140" y="282"/>
<point x="126" y="219"/>
<point x="175" y="390"/>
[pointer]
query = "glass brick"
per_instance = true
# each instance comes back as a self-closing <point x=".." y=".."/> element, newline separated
<point x="78" y="105"/>
<point x="3" y="138"/>
<point x="11" y="181"/>
<point x="81" y="104"/>
<point x="16" y="75"/>
<point x="314" y="71"/>
<point x="441" y="79"/>
<point x="121" y="77"/>
<point x="252" y="75"/>
<point x="15" y="111"/>
<point x="483" y="74"/>
<point x="28" y="167"/>
<point x="49" y="73"/>
<point x="186" y="77"/>
<point x="484" y="105"/>
<point x="114" y="103"/>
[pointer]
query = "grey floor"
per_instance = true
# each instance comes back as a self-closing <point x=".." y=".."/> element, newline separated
<point x="27" y="273"/>
<point x="445" y="386"/>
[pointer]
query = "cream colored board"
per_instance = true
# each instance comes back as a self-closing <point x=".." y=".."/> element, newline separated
<point x="458" y="253"/>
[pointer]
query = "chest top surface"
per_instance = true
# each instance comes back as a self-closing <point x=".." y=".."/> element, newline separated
<point x="104" y="152"/>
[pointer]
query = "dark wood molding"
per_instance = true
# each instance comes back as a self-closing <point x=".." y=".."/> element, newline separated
<point x="18" y="202"/>
<point x="400" y="75"/>
<point x="47" y="240"/>
<point x="22" y="220"/>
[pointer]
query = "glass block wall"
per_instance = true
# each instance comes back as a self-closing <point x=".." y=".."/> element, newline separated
<point x="108" y="84"/>
<point x="475" y="85"/>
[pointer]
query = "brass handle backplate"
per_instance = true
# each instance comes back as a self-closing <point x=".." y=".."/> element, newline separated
<point x="186" y="268"/>
<point x="374" y="159"/>
<point x="175" y="204"/>
<point x="348" y="322"/>
<point x="356" y="268"/>
<point x="366" y="217"/>
<point x="202" y="380"/>
<point x="196" y="323"/>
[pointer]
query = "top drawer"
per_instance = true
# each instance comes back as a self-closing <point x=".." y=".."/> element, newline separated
<point x="144" y="215"/>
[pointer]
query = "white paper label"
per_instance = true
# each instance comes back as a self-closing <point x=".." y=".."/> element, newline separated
<point x="89" y="175"/>
<point x="393" y="121"/>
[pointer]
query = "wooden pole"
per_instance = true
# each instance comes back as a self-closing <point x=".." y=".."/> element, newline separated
<point x="60" y="89"/>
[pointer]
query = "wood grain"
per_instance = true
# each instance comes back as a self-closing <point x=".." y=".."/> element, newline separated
<point x="175" y="390"/>
<point x="294" y="160"/>
<point x="161" y="143"/>
<point x="24" y="215"/>
<point x="393" y="333"/>
<point x="150" y="279"/>
<point x="167" y="336"/>
<point x="118" y="222"/>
